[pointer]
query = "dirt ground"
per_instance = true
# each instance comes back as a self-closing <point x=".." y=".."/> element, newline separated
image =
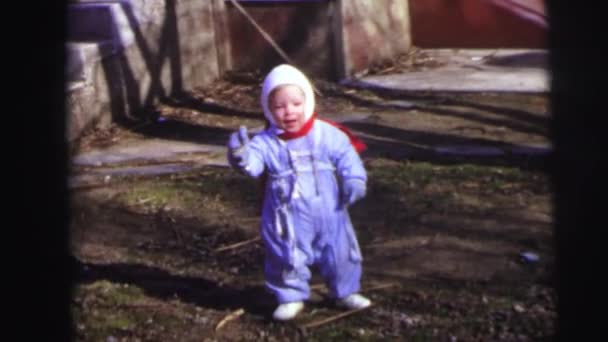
<point x="176" y="257"/>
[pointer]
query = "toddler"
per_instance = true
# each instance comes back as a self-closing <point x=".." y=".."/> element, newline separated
<point x="313" y="173"/>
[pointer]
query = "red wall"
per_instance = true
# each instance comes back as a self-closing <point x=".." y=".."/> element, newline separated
<point x="478" y="23"/>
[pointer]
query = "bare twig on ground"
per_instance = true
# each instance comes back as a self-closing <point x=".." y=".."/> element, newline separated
<point x="144" y="200"/>
<point x="232" y="316"/>
<point x="332" y="318"/>
<point x="237" y="245"/>
<point x="379" y="287"/>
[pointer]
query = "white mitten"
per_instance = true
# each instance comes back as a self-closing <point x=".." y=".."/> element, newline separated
<point x="238" y="149"/>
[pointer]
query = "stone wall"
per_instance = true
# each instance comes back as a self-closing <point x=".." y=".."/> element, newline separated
<point x="372" y="31"/>
<point x="126" y="55"/>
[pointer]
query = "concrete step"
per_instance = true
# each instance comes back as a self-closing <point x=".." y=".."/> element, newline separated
<point x="470" y="70"/>
<point x="94" y="21"/>
<point x="96" y="30"/>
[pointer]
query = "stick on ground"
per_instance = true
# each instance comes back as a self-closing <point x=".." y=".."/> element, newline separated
<point x="379" y="286"/>
<point x="332" y="318"/>
<point x="232" y="316"/>
<point x="238" y="244"/>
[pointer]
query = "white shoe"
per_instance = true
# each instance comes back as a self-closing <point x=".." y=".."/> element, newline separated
<point x="287" y="311"/>
<point x="354" y="301"/>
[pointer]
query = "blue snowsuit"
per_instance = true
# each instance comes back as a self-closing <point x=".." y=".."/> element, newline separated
<point x="304" y="221"/>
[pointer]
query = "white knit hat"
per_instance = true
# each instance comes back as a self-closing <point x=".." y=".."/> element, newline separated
<point x="282" y="75"/>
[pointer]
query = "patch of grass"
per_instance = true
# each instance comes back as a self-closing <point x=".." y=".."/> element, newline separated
<point x="102" y="309"/>
<point x="110" y="294"/>
<point x="406" y="175"/>
<point x="217" y="191"/>
<point x="98" y="312"/>
<point x="399" y="193"/>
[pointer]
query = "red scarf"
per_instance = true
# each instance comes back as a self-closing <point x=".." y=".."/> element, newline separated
<point x="357" y="143"/>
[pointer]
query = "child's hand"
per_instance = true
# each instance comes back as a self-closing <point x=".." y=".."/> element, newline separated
<point x="238" y="146"/>
<point x="353" y="190"/>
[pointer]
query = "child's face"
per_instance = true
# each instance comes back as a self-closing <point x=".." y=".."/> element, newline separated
<point x="287" y="106"/>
